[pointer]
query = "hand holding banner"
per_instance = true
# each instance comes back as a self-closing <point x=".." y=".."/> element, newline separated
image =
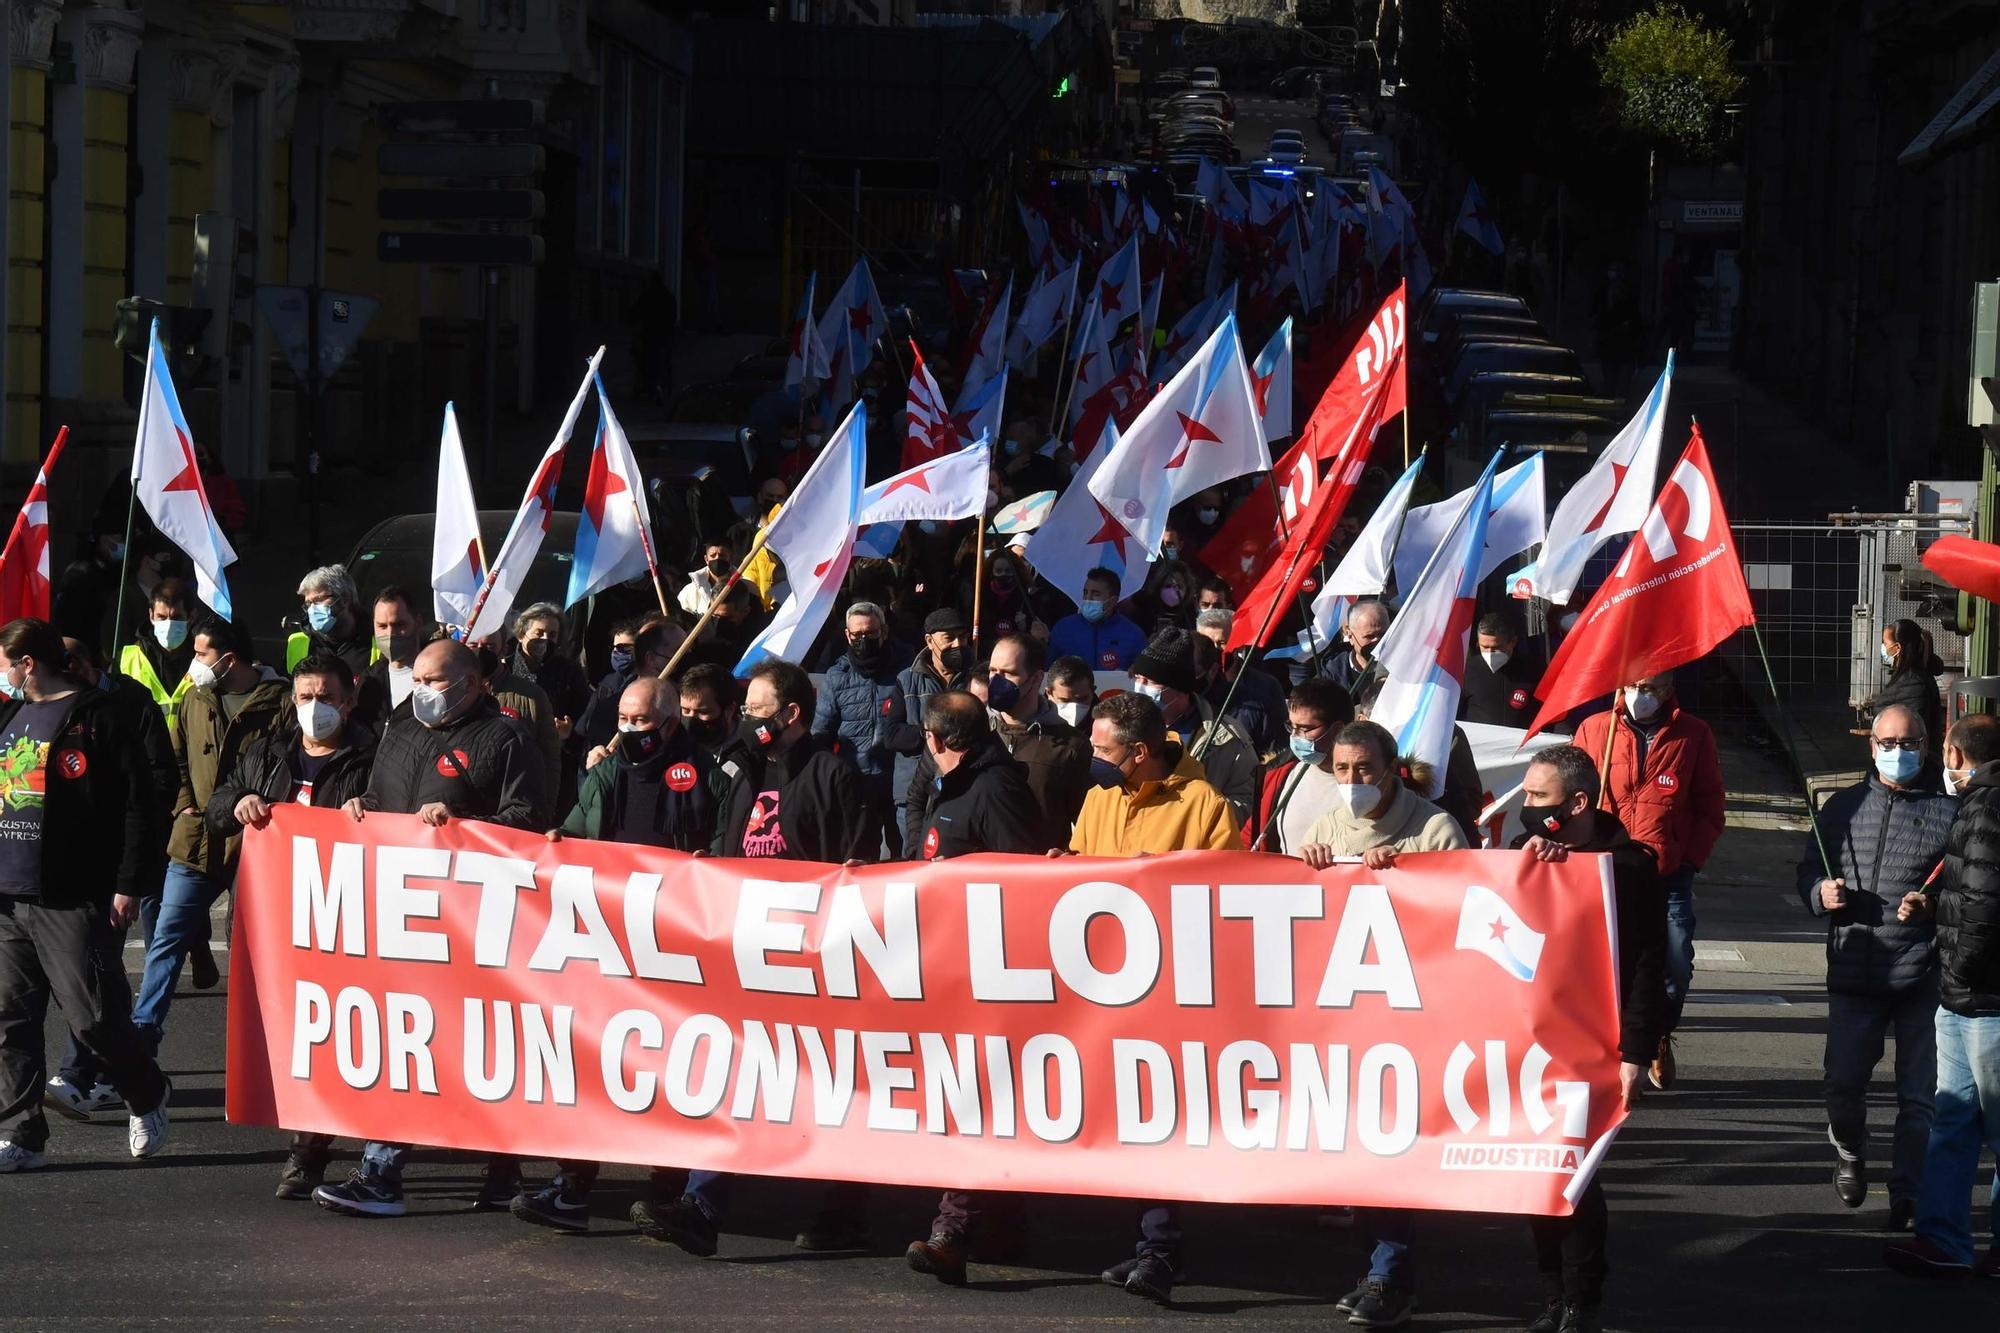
<point x="1439" y="1035"/>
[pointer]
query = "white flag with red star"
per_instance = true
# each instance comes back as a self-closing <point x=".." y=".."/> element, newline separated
<point x="947" y="487"/>
<point x="168" y="482"/>
<point x="614" y="532"/>
<point x="531" y="524"/>
<point x="1199" y="431"/>
<point x="24" y="562"/>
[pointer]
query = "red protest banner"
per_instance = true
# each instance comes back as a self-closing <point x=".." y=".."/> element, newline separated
<point x="1210" y="1026"/>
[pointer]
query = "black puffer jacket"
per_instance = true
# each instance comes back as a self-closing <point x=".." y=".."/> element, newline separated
<point x="479" y="766"/>
<point x="1885" y="844"/>
<point x="1916" y="690"/>
<point x="1968" y="901"/>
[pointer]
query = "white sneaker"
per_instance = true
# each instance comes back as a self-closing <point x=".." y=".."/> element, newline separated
<point x="148" y="1133"/>
<point x="67" y="1099"/>
<point x="13" y="1157"/>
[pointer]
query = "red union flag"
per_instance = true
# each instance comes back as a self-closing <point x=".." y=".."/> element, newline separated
<point x="1437" y="1035"/>
<point x="1372" y="378"/>
<point x="1676" y="593"/>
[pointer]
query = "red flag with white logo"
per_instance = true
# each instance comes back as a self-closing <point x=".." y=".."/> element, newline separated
<point x="24" y="563"/>
<point x="1677" y="592"/>
<point x="1249" y="542"/>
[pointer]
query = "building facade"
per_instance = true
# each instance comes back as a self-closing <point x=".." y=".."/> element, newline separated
<point x="190" y="151"/>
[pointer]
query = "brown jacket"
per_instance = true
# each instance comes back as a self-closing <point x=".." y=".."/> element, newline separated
<point x="1057" y="758"/>
<point x="207" y="743"/>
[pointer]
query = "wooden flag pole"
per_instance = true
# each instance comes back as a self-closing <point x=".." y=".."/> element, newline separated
<point x="978" y="580"/>
<point x="708" y="614"/>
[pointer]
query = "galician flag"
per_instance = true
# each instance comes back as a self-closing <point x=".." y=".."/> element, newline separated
<point x="1080" y="534"/>
<point x="807" y="363"/>
<point x="1488" y="925"/>
<point x="853" y="320"/>
<point x="1364" y="570"/>
<point x="168" y="482"/>
<point x="1518" y="520"/>
<point x="948" y="487"/>
<point x="1424" y="650"/>
<point x="614" y="533"/>
<point x="531" y="523"/>
<point x="1271" y="381"/>
<point x="1475" y="221"/>
<point x="989" y="339"/>
<point x="1199" y="431"/>
<point x="814" y="535"/>
<point x="456" y="569"/>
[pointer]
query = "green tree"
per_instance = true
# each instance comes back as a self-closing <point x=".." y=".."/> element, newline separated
<point x="1671" y="74"/>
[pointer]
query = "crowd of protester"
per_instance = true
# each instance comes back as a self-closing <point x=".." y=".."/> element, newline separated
<point x="918" y="729"/>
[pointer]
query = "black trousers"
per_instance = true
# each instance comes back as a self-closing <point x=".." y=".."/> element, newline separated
<point x="1569" y="1251"/>
<point x="74" y="955"/>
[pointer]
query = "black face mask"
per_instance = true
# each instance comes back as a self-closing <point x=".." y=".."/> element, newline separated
<point x="953" y="659"/>
<point x="640" y="746"/>
<point x="760" y="734"/>
<point x="866" y="651"/>
<point x="718" y="567"/>
<point x="706" y="734"/>
<point x="1544" y="820"/>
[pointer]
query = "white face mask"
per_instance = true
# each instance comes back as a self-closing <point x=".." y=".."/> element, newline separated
<point x="1357" y="798"/>
<point x="1495" y="658"/>
<point x="318" y="719"/>
<point x="202" y="674"/>
<point x="1954" y="780"/>
<point x="432" y="705"/>
<point x="1642" y="707"/>
<point x="170" y="633"/>
<point x="1073" y="711"/>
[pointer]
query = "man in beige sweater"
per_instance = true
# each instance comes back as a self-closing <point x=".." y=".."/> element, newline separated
<point x="1375" y="814"/>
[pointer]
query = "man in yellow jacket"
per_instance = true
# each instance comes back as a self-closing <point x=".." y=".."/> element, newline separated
<point x="1149" y="798"/>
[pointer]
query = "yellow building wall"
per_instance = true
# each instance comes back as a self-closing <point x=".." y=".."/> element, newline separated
<point x="26" y="209"/>
<point x="190" y="188"/>
<point x="105" y="123"/>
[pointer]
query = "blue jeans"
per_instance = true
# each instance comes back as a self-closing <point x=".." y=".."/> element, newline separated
<point x="1968" y="1117"/>
<point x="1855" y="1028"/>
<point x="1390" y="1261"/>
<point x="1680" y="941"/>
<point x="711" y="1192"/>
<point x="184" y="903"/>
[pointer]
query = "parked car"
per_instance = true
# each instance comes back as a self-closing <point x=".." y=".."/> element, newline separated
<point x="1206" y="76"/>
<point x="1482" y="356"/>
<point x="397" y="552"/>
<point x="1442" y="305"/>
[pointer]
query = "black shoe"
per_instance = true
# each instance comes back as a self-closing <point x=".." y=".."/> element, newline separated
<point x="942" y="1256"/>
<point x="299" y="1178"/>
<point x="1902" y="1214"/>
<point x="1153" y="1275"/>
<point x="360" y="1196"/>
<point x="1550" y="1320"/>
<point x="679" y="1223"/>
<point x="201" y="966"/>
<point x="1382" y="1306"/>
<point x="1579" y="1318"/>
<point x="1346" y="1304"/>
<point x="1850" y="1181"/>
<point x="553" y="1205"/>
<point x="832" y="1231"/>
<point x="497" y="1190"/>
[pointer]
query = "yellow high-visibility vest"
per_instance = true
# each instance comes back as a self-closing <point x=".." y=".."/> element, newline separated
<point x="299" y="647"/>
<point x="133" y="664"/>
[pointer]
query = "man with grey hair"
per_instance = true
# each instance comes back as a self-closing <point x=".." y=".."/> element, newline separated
<point x="860" y="706"/>
<point x="333" y="627"/>
<point x="1367" y="622"/>
<point x="1884" y="837"/>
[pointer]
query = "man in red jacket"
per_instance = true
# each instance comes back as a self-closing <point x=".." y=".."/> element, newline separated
<point x="1663" y="781"/>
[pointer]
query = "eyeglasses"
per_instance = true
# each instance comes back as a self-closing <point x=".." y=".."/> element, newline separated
<point x="1906" y="743"/>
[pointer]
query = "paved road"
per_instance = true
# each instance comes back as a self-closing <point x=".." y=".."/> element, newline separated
<point x="1724" y="1214"/>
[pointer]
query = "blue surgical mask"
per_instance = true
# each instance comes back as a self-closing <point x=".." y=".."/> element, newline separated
<point x="1150" y="690"/>
<point x="117" y="551"/>
<point x="1888" y="656"/>
<point x="1010" y="447"/>
<point x="1305" y="751"/>
<point x="1094" y="610"/>
<point x="621" y="659"/>
<point x="13" y="691"/>
<point x="1001" y="694"/>
<point x="929" y="526"/>
<point x="320" y="615"/>
<point x="1899" y="766"/>
<point x="170" y="633"/>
